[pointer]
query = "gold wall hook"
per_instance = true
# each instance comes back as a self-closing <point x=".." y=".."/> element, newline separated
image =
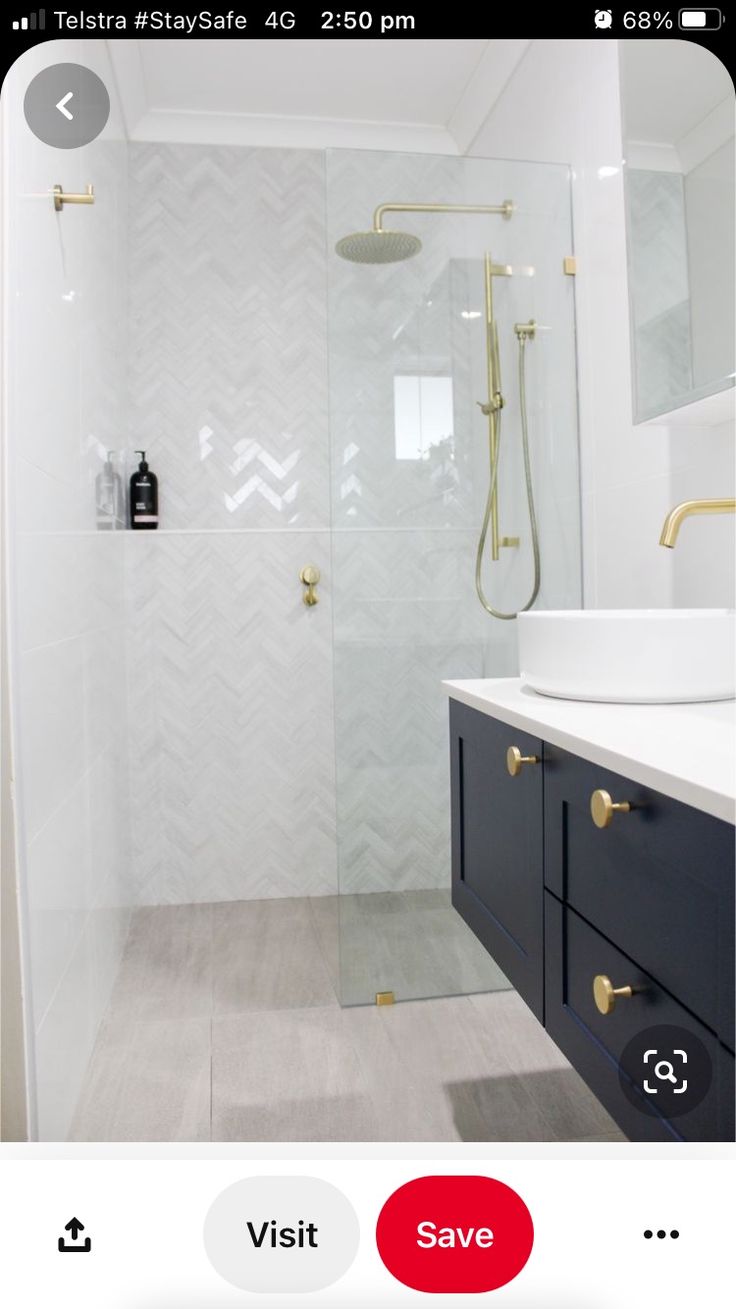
<point x="62" y="197"/>
<point x="310" y="576"/>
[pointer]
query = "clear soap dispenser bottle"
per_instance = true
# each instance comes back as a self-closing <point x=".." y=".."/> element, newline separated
<point x="109" y="497"/>
<point x="143" y="497"/>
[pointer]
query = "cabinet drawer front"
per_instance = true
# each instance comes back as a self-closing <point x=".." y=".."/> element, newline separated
<point x="659" y="881"/>
<point x="575" y="954"/>
<point x="497" y="846"/>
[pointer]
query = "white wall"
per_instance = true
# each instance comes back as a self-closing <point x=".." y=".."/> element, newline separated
<point x="65" y="395"/>
<point x="562" y="104"/>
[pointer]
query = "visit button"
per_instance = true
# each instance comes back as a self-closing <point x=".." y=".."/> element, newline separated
<point x="454" y="1234"/>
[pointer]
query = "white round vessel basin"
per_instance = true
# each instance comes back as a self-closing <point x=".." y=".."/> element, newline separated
<point x="630" y="656"/>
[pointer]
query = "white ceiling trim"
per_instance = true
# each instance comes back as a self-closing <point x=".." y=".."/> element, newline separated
<point x="653" y="156"/>
<point x="293" y="133"/>
<point x="707" y="136"/>
<point x="144" y="122"/>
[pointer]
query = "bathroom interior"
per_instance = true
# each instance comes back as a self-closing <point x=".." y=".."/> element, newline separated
<point x="424" y="343"/>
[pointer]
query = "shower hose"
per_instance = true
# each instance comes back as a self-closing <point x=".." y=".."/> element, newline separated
<point x="496" y="613"/>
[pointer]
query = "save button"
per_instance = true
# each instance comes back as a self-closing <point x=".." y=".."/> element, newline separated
<point x="454" y="1234"/>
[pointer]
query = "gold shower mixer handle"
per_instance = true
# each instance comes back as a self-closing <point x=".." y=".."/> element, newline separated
<point x="310" y="576"/>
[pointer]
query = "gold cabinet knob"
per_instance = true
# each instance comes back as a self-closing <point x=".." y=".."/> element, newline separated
<point x="515" y="759"/>
<point x="310" y="576"/>
<point x="606" y="994"/>
<point x="602" y="808"/>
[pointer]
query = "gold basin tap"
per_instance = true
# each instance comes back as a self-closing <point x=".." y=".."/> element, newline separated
<point x="676" y="516"/>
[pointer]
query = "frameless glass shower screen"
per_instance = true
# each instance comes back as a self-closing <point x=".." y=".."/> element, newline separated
<point x="410" y="476"/>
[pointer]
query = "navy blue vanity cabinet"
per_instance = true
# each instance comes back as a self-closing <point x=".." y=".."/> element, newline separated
<point x="593" y="1042"/>
<point x="658" y="881"/>
<point x="645" y="899"/>
<point x="497" y="846"/>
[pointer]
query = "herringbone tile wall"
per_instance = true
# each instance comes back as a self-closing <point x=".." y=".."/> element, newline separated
<point x="228" y="333"/>
<point x="233" y="790"/>
<point x="239" y="693"/>
<point x="230" y="675"/>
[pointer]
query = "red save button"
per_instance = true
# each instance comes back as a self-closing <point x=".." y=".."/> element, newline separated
<point x="457" y="1234"/>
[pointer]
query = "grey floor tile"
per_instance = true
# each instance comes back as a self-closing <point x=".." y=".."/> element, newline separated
<point x="147" y="1081"/>
<point x="410" y="942"/>
<point x="166" y="970"/>
<point x="432" y="1077"/>
<point x="326" y="920"/>
<point x="509" y="1028"/>
<point x="603" y="1138"/>
<point x="289" y="1064"/>
<point x="288" y="1075"/>
<point x="267" y="955"/>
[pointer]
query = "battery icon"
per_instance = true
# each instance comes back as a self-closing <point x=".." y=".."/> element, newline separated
<point x="700" y="20"/>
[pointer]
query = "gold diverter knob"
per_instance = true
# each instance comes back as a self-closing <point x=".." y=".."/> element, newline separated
<point x="602" y="808"/>
<point x="606" y="994"/>
<point x="310" y="576"/>
<point x="515" y="760"/>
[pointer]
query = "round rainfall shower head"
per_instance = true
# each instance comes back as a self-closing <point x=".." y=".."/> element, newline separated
<point x="378" y="247"/>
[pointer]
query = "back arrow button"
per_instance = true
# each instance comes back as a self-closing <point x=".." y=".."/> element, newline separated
<point x="61" y="106"/>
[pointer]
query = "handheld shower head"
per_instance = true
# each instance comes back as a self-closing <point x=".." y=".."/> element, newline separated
<point x="378" y="247"/>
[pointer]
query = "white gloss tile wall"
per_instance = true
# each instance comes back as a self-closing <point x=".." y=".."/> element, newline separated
<point x="66" y="390"/>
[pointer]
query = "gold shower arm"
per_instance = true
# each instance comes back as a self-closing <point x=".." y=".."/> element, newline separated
<point x="505" y="210"/>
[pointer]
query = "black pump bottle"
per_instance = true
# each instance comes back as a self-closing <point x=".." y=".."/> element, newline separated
<point x="143" y="497"/>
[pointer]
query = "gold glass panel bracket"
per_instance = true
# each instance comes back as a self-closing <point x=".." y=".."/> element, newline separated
<point x="62" y="197"/>
<point x="309" y="577"/>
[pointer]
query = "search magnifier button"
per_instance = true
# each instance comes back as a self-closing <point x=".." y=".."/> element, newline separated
<point x="667" y="1076"/>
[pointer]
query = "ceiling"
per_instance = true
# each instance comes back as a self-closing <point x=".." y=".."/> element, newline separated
<point x="430" y="94"/>
<point x="404" y="81"/>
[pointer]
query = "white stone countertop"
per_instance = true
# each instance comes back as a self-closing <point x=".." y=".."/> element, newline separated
<point x="686" y="751"/>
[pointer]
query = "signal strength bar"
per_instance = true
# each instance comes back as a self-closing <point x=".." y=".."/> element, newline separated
<point x="31" y="23"/>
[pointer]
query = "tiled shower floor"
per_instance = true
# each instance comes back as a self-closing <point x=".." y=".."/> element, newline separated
<point x="225" y="1025"/>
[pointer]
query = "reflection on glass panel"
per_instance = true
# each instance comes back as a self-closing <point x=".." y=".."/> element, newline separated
<point x="422" y="414"/>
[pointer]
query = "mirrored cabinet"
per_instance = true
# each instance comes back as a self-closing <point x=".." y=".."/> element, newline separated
<point x="678" y="130"/>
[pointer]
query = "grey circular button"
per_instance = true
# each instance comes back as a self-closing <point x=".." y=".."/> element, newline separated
<point x="281" y="1234"/>
<point x="67" y="105"/>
